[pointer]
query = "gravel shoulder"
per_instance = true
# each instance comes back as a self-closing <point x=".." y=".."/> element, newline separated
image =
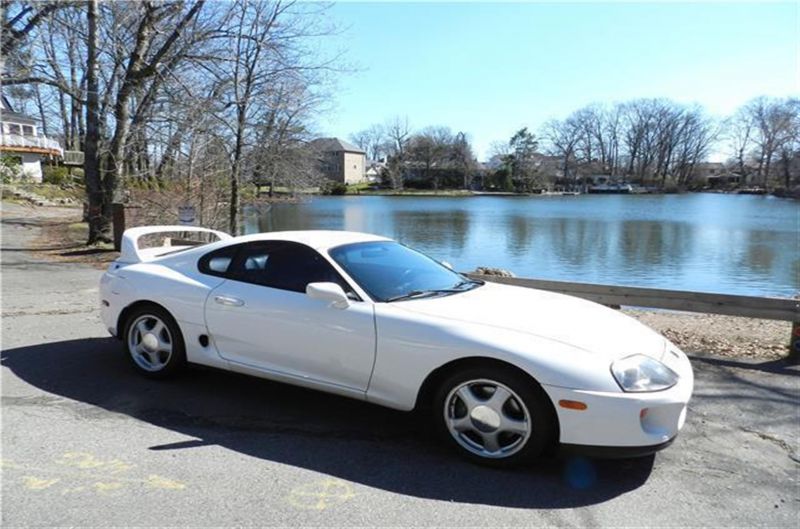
<point x="717" y="335"/>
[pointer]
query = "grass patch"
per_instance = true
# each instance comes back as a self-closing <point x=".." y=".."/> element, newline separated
<point x="357" y="189"/>
<point x="50" y="192"/>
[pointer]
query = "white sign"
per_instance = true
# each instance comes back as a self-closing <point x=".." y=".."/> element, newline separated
<point x="186" y="215"/>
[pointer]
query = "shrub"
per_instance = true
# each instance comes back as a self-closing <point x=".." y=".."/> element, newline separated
<point x="10" y="168"/>
<point x="333" y="188"/>
<point x="55" y="174"/>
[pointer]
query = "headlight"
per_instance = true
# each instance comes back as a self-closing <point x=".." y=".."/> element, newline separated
<point x="639" y="373"/>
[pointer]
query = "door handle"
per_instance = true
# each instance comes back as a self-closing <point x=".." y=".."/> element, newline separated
<point x="230" y="301"/>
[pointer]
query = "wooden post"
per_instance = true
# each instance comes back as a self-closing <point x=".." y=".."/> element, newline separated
<point x="118" y="219"/>
<point x="794" y="344"/>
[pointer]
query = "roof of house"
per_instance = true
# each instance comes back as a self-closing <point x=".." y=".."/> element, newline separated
<point x="708" y="165"/>
<point x="16" y="117"/>
<point x="7" y="113"/>
<point x="335" y="145"/>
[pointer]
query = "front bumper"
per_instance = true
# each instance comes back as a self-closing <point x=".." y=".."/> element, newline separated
<point x="614" y="452"/>
<point x="645" y="421"/>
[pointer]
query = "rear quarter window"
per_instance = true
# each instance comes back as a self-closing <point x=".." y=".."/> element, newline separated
<point x="218" y="262"/>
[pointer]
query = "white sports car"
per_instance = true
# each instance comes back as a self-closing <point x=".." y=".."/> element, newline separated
<point x="504" y="372"/>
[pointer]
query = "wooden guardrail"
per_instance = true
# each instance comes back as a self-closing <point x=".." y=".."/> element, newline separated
<point x="73" y="158"/>
<point x="727" y="304"/>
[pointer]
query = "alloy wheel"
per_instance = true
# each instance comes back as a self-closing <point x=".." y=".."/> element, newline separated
<point x="487" y="418"/>
<point x="150" y="343"/>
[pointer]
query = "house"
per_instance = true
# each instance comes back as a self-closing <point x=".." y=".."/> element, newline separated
<point x="20" y="140"/>
<point x="704" y="171"/>
<point x="374" y="171"/>
<point x="340" y="161"/>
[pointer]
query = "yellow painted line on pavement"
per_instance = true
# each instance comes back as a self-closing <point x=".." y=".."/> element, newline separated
<point x="322" y="494"/>
<point x="74" y="468"/>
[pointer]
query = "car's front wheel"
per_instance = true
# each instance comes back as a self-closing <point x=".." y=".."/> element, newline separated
<point x="154" y="342"/>
<point x="494" y="415"/>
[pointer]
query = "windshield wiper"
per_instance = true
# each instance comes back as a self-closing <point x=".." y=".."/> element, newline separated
<point x="458" y="287"/>
<point x="423" y="293"/>
<point x="468" y="282"/>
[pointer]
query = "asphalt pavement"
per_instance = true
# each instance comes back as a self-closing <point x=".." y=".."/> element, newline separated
<point x="87" y="442"/>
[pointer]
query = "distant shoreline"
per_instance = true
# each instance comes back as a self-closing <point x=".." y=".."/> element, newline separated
<point x="460" y="193"/>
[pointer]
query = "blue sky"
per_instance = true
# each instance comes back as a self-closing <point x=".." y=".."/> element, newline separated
<point x="490" y="68"/>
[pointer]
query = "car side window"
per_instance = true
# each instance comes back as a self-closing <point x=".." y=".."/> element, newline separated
<point x="284" y="265"/>
<point x="218" y="262"/>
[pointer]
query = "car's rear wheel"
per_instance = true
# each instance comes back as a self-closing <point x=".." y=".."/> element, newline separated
<point x="154" y="342"/>
<point x="494" y="416"/>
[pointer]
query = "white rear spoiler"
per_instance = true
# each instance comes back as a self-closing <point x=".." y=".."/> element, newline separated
<point x="131" y="253"/>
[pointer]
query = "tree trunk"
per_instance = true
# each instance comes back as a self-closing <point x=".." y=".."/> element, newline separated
<point x="767" y="166"/>
<point x="99" y="212"/>
<point x="116" y="161"/>
<point x="75" y="110"/>
<point x="787" y="175"/>
<point x="236" y="168"/>
<point x="41" y="109"/>
<point x="62" y="107"/>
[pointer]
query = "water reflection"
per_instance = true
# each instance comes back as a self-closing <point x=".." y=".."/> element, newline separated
<point x="441" y="230"/>
<point x="717" y="243"/>
<point x="760" y="251"/>
<point x="650" y="243"/>
<point x="580" y="241"/>
<point x="519" y="237"/>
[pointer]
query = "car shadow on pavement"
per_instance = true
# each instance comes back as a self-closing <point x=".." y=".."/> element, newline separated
<point x="781" y="366"/>
<point x="344" y="438"/>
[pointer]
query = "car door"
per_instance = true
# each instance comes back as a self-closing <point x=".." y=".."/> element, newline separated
<point x="261" y="317"/>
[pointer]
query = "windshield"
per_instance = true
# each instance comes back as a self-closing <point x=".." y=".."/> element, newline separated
<point x="389" y="271"/>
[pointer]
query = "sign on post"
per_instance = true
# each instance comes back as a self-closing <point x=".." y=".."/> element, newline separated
<point x="186" y="215"/>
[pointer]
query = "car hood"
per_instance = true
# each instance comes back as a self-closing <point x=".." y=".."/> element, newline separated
<point x="566" y="319"/>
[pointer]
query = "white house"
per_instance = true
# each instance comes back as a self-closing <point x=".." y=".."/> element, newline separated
<point x="20" y="139"/>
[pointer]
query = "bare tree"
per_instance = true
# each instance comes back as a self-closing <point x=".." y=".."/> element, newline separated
<point x="789" y="152"/>
<point x="398" y="131"/>
<point x="761" y="133"/>
<point x="165" y="88"/>
<point x="252" y="27"/>
<point x="268" y="52"/>
<point x="739" y="132"/>
<point x="373" y="140"/>
<point x="646" y="139"/>
<point x="20" y="19"/>
<point x="563" y="138"/>
<point x="94" y="189"/>
<point x="774" y="124"/>
<point x="360" y="139"/>
<point x="431" y="148"/>
<point x="463" y="158"/>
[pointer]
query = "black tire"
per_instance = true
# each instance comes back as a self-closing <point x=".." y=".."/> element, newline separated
<point x="173" y="361"/>
<point x="522" y="448"/>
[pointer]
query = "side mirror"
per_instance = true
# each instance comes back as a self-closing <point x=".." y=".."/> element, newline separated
<point x="330" y="292"/>
<point x="446" y="264"/>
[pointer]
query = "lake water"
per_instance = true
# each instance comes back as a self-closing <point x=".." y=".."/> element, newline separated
<point x="735" y="244"/>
